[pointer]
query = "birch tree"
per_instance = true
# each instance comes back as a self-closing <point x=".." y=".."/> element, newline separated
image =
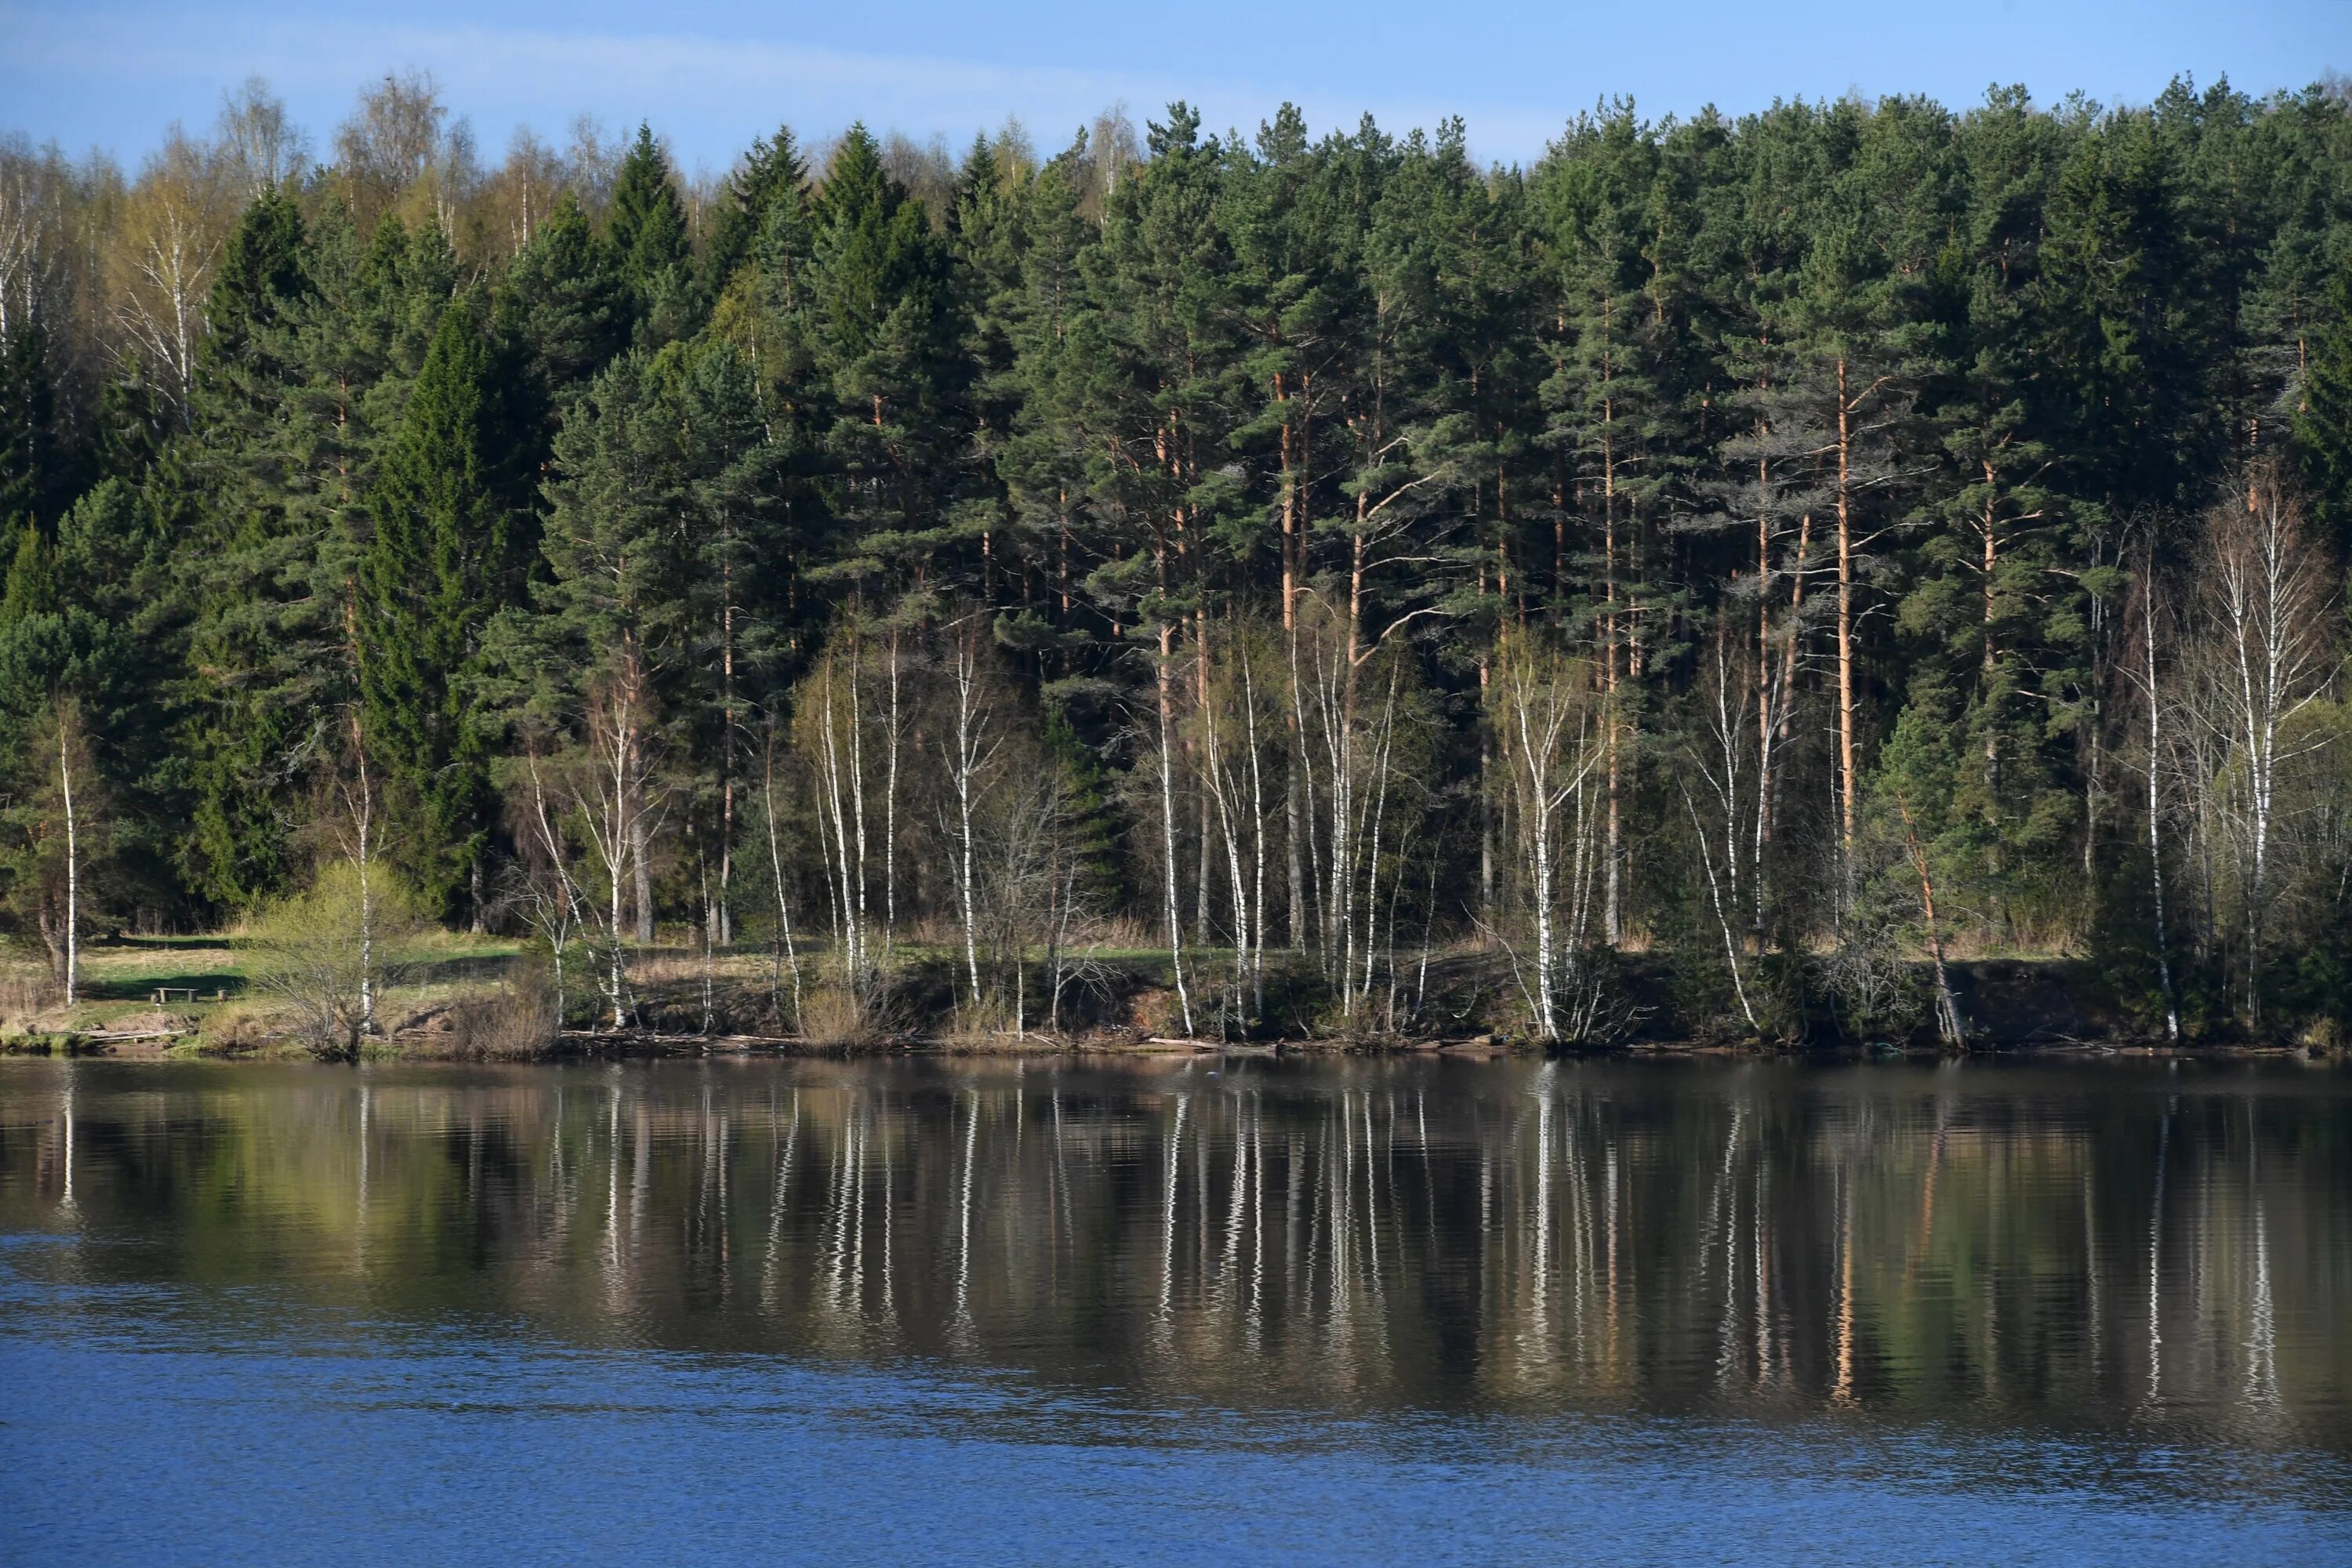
<point x="2270" y="658"/>
<point x="1548" y="714"/>
<point x="2154" y="696"/>
<point x="174" y="221"/>
<point x="66" y="730"/>
<point x="968" y="750"/>
<point x="1241" y="720"/>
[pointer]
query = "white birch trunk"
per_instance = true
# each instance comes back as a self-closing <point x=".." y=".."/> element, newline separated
<point x="73" y="866"/>
<point x="1168" y="838"/>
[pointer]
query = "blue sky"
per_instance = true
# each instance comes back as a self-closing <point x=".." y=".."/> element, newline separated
<point x="709" y="74"/>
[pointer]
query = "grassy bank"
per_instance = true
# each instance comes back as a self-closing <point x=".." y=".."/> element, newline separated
<point x="467" y="998"/>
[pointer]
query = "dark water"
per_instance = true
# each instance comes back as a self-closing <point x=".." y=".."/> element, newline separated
<point x="1412" y="1311"/>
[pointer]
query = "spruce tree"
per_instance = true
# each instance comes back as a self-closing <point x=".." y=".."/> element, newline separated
<point x="434" y="569"/>
<point x="28" y="466"/>
<point x="645" y="222"/>
<point x="30" y="584"/>
<point x="2323" y="419"/>
<point x="255" y="680"/>
<point x="772" y="171"/>
<point x="2131" y="418"/>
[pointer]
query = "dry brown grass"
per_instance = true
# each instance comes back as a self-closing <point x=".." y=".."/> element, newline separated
<point x="664" y="966"/>
<point x="835" y="1017"/>
<point x="977" y="1026"/>
<point x="1121" y="933"/>
<point x="239" y="1030"/>
<point x="155" y="1019"/>
<point x="1152" y="1011"/>
<point x="26" y="991"/>
<point x="514" y="1021"/>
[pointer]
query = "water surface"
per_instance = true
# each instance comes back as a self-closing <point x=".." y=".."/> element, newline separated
<point x="1139" y="1312"/>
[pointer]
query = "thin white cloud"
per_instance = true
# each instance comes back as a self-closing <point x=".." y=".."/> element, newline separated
<point x="712" y="93"/>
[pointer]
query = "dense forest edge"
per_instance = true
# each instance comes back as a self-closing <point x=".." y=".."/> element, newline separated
<point x="1854" y="573"/>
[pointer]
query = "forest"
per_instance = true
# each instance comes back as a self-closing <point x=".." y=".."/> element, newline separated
<point x="1776" y="558"/>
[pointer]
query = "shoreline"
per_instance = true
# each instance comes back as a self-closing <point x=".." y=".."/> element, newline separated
<point x="582" y="1045"/>
<point x="465" y="1001"/>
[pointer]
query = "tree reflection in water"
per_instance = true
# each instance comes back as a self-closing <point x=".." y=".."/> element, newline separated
<point x="2060" y="1250"/>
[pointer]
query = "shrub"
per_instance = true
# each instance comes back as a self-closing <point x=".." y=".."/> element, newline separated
<point x="513" y="1021"/>
<point x="836" y="1016"/>
<point x="329" y="954"/>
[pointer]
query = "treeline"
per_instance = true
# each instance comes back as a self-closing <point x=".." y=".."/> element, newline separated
<point x="1795" y="546"/>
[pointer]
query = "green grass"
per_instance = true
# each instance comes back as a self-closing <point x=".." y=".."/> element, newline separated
<point x="129" y="969"/>
<point x="119" y="978"/>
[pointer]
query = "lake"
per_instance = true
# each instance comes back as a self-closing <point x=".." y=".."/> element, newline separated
<point x="1118" y="1310"/>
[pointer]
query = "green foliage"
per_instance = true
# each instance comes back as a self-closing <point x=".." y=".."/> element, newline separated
<point x="647" y="221"/>
<point x="28" y="461"/>
<point x="330" y="953"/>
<point x="2323" y="419"/>
<point x="565" y="308"/>
<point x="1351" y="386"/>
<point x="773" y="174"/>
<point x="438" y="563"/>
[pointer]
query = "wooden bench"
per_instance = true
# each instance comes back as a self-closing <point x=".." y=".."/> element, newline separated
<point x="165" y="993"/>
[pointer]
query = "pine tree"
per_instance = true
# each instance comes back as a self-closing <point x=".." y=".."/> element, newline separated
<point x="1858" y="365"/>
<point x="564" y="314"/>
<point x="1041" y="466"/>
<point x="1996" y="618"/>
<point x="30" y="586"/>
<point x="888" y="340"/>
<point x="749" y="497"/>
<point x="1842" y="411"/>
<point x="987" y="241"/>
<point x="1612" y="453"/>
<point x="612" y="639"/>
